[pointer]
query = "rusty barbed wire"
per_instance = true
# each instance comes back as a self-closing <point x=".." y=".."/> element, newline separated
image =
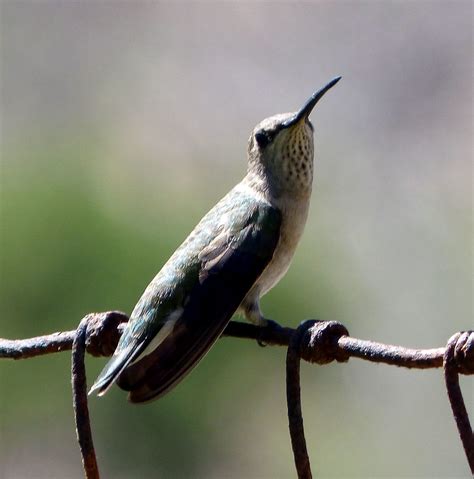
<point x="456" y="357"/>
<point x="314" y="341"/>
<point x="79" y="400"/>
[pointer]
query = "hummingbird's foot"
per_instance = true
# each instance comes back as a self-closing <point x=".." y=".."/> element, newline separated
<point x="265" y="326"/>
<point x="251" y="310"/>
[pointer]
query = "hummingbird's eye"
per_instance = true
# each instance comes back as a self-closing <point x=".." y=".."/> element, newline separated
<point x="263" y="138"/>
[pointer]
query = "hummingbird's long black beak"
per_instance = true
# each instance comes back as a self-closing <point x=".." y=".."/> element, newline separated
<point x="310" y="104"/>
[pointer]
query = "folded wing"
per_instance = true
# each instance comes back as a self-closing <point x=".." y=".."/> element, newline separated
<point x="228" y="267"/>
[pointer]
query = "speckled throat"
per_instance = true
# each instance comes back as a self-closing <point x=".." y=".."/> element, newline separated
<point x="297" y="159"/>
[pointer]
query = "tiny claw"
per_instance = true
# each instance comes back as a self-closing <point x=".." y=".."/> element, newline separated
<point x="268" y="325"/>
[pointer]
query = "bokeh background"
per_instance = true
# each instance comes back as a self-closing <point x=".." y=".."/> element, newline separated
<point x="122" y="123"/>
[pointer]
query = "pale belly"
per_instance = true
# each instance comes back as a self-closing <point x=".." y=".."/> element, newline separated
<point x="294" y="219"/>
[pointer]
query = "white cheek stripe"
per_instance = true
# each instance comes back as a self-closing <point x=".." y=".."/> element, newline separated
<point x="163" y="333"/>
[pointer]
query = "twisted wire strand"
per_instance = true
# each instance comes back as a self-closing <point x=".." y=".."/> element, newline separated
<point x="314" y="341"/>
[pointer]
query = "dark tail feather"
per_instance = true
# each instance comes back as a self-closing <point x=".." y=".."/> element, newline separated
<point x="155" y="374"/>
<point x="112" y="371"/>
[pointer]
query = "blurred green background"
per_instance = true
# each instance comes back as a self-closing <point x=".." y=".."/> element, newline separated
<point x="122" y="123"/>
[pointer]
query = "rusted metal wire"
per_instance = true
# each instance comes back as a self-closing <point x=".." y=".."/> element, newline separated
<point x="457" y="344"/>
<point x="79" y="397"/>
<point x="39" y="346"/>
<point x="102" y="337"/>
<point x="314" y="341"/>
<point x="293" y="400"/>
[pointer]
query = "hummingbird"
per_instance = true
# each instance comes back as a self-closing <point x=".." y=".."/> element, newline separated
<point x="239" y="250"/>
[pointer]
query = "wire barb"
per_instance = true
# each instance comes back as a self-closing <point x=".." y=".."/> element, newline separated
<point x="79" y="397"/>
<point x="314" y="341"/>
<point x="293" y="399"/>
<point x="455" y="358"/>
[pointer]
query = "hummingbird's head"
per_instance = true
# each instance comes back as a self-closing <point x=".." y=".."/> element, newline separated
<point x="281" y="148"/>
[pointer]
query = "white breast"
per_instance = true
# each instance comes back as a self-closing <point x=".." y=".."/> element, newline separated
<point x="294" y="215"/>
